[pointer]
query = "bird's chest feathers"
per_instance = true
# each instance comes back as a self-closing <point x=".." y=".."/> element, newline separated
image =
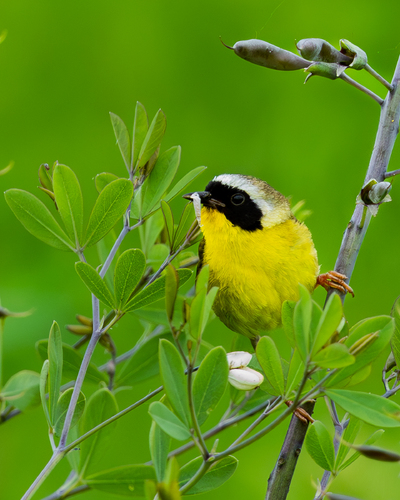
<point x="265" y="264"/>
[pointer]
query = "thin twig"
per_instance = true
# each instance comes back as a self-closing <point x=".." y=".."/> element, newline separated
<point x="358" y="86"/>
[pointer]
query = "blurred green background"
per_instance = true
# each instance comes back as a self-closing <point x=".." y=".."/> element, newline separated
<point x="65" y="65"/>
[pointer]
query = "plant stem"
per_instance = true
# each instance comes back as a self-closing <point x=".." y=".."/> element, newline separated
<point x="196" y="426"/>
<point x="378" y="77"/>
<point x="358" y="86"/>
<point x="392" y="173"/>
<point x="57" y="495"/>
<point x="354" y="234"/>
<point x="43" y="475"/>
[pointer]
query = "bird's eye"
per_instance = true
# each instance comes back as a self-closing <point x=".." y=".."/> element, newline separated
<point x="238" y="199"/>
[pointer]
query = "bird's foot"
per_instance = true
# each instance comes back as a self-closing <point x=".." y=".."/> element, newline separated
<point x="300" y="413"/>
<point x="334" y="280"/>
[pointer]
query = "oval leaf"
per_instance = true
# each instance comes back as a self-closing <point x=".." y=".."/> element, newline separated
<point x="155" y="291"/>
<point x="110" y="206"/>
<point x="334" y="356"/>
<point x="216" y="476"/>
<point x="69" y="201"/>
<point x="153" y="139"/>
<point x="168" y="421"/>
<point x="123" y="139"/>
<point x="330" y="320"/>
<point x="62" y="408"/>
<point x="126" y="480"/>
<point x="320" y="445"/>
<point x="140" y="128"/>
<point x="302" y="322"/>
<point x="370" y="408"/>
<point x="55" y="357"/>
<point x="101" y="406"/>
<point x="270" y="361"/>
<point x="128" y="271"/>
<point x="174" y="380"/>
<point x="210" y="383"/>
<point x="159" y="449"/>
<point x="96" y="285"/>
<point x="37" y="219"/>
<point x="22" y="390"/>
<point x="103" y="179"/>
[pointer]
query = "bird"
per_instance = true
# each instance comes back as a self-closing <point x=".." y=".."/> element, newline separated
<point x="257" y="252"/>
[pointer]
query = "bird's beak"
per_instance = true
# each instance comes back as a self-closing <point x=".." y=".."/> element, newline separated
<point x="205" y="198"/>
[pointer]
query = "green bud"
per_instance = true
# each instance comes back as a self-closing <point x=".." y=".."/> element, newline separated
<point x="374" y="192"/>
<point x="84" y="320"/>
<point x="316" y="49"/>
<point x="360" y="59"/>
<point x="361" y="344"/>
<point x="80" y="329"/>
<point x="268" y="55"/>
<point x="327" y="70"/>
<point x="45" y="177"/>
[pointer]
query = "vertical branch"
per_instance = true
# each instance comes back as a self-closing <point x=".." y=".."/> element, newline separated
<point x="279" y="481"/>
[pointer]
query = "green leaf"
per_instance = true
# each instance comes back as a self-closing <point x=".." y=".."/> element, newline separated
<point x="128" y="272"/>
<point x="142" y="365"/>
<point x="62" y="408"/>
<point x="334" y="356"/>
<point x="295" y="373"/>
<point x="329" y="322"/>
<point x="169" y="422"/>
<point x="320" y="445"/>
<point x="370" y="408"/>
<point x="153" y="139"/>
<point x="22" y="390"/>
<point x="171" y="290"/>
<point x="169" y="222"/>
<point x="160" y="179"/>
<point x="382" y="324"/>
<point x="37" y="219"/>
<point x="110" y="206"/>
<point x="210" y="383"/>
<point x="270" y="361"/>
<point x="140" y="128"/>
<point x="95" y="284"/>
<point x="302" y="322"/>
<point x="196" y="314"/>
<point x="216" y="475"/>
<point x="126" y="480"/>
<point x="72" y="360"/>
<point x="183" y="183"/>
<point x="202" y="279"/>
<point x="287" y="321"/>
<point x="151" y="230"/>
<point x="159" y="449"/>
<point x="155" y="291"/>
<point x="395" y="342"/>
<point x="349" y="437"/>
<point x="55" y="356"/>
<point x="174" y="380"/>
<point x="123" y="139"/>
<point x="185" y="223"/>
<point x="102" y="180"/>
<point x="69" y="201"/>
<point x="43" y="382"/>
<point x="101" y="406"/>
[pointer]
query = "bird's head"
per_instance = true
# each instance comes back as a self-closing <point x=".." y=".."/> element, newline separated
<point x="246" y="201"/>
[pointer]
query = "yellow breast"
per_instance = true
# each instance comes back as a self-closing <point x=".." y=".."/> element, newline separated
<point x="256" y="271"/>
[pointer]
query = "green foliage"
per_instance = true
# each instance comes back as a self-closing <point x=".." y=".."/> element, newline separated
<point x="126" y="480"/>
<point x="216" y="476"/>
<point x="110" y="206"/>
<point x="37" y="219"/>
<point x="123" y="139"/>
<point x="320" y="446"/>
<point x="210" y="383"/>
<point x="174" y="380"/>
<point x="62" y="407"/>
<point x="128" y="271"/>
<point x="55" y="357"/>
<point x="159" y="442"/>
<point x="22" y="390"/>
<point x="168" y="421"/>
<point x="270" y="361"/>
<point x="101" y="406"/>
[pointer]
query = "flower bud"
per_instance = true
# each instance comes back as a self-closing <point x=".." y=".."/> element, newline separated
<point x="238" y="359"/>
<point x="268" y="55"/>
<point x="327" y="70"/>
<point x="374" y="192"/>
<point x="361" y="344"/>
<point x="360" y="59"/>
<point x="316" y="49"/>
<point x="245" y="379"/>
<point x="80" y="329"/>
